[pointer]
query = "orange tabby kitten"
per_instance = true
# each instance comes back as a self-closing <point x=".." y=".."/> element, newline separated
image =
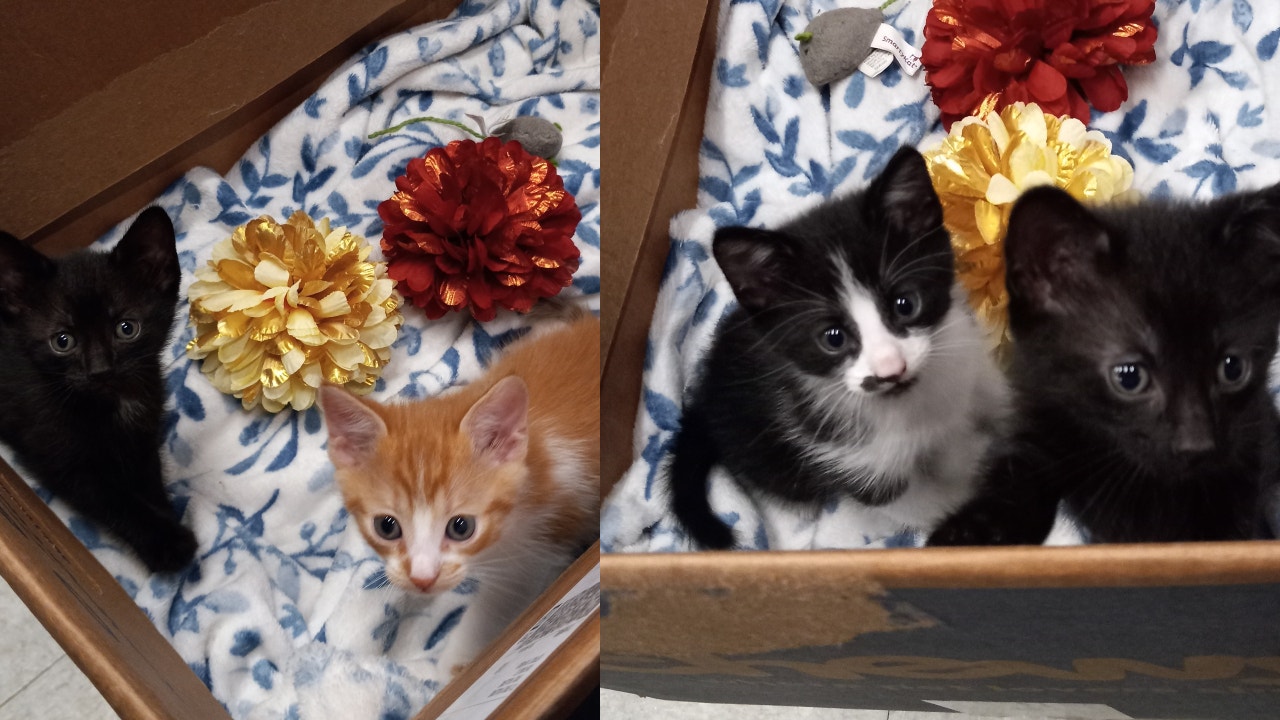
<point x="498" y="480"/>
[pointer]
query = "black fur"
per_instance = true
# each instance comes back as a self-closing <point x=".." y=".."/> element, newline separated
<point x="1175" y="287"/>
<point x="788" y="283"/>
<point x="86" y="422"/>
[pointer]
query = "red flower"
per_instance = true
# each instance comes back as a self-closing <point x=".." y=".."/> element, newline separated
<point x="982" y="55"/>
<point x="479" y="226"/>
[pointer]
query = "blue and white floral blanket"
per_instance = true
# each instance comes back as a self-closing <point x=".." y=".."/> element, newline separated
<point x="288" y="613"/>
<point x="1198" y="123"/>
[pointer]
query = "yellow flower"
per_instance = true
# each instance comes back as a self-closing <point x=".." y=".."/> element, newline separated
<point x="986" y="163"/>
<point x="281" y="309"/>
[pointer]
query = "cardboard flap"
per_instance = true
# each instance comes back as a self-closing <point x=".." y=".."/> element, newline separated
<point x="659" y="85"/>
<point x="93" y="130"/>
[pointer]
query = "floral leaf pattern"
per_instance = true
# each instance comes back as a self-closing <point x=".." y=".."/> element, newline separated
<point x="1196" y="124"/>
<point x="277" y="606"/>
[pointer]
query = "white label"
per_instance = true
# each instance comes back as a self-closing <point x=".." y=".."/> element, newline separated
<point x="887" y="38"/>
<point x="479" y="121"/>
<point x="535" y="646"/>
<point x="877" y="62"/>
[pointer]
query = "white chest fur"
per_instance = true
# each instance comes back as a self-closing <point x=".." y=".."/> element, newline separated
<point x="934" y="435"/>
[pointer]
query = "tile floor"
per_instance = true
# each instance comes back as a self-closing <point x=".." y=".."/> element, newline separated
<point x="37" y="679"/>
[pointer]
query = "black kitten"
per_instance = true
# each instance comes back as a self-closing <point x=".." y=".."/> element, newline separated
<point x="81" y="390"/>
<point x="852" y="367"/>
<point x="1142" y="341"/>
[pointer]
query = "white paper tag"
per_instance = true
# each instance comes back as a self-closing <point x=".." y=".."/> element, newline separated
<point x="888" y="38"/>
<point x="877" y="62"/>
<point x="479" y="121"/>
<point x="518" y="662"/>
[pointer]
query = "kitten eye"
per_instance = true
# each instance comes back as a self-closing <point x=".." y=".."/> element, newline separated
<point x="833" y="338"/>
<point x="387" y="527"/>
<point x="1233" y="371"/>
<point x="907" y="306"/>
<point x="62" y="343"/>
<point x="1130" y="378"/>
<point x="461" y="527"/>
<point x="128" y="329"/>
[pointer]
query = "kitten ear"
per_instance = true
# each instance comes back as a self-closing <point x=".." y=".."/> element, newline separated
<point x="904" y="193"/>
<point x="1254" y="228"/>
<point x="498" y="424"/>
<point x="21" y="267"/>
<point x="1054" y="249"/>
<point x="754" y="262"/>
<point x="354" y="427"/>
<point x="149" y="250"/>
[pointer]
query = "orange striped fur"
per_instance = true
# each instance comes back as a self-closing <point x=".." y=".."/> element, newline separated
<point x="417" y="462"/>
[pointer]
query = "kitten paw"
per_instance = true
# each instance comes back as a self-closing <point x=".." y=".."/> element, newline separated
<point x="713" y="536"/>
<point x="965" y="530"/>
<point x="989" y="524"/>
<point x="169" y="551"/>
<point x="997" y="520"/>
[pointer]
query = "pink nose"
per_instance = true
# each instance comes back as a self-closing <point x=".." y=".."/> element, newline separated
<point x="888" y="365"/>
<point x="423" y="583"/>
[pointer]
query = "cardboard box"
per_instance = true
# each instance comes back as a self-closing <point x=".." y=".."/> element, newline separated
<point x="109" y="104"/>
<point x="1168" y="631"/>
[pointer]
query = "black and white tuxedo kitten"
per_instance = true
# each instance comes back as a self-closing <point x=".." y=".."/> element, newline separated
<point x="1142" y="341"/>
<point x="852" y="367"/>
